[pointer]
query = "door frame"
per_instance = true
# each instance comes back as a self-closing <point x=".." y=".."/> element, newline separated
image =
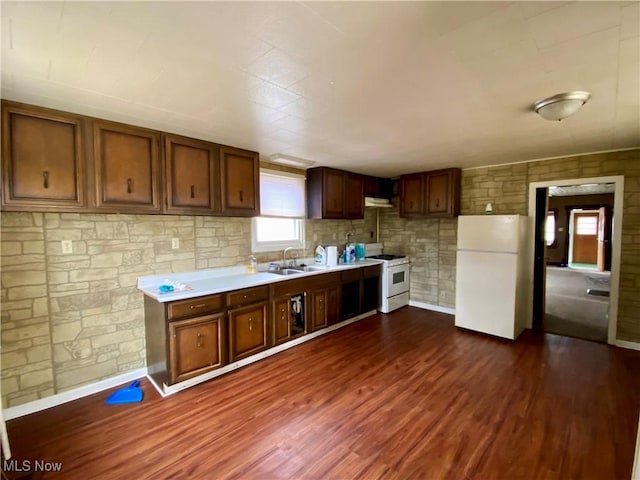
<point x="616" y="237"/>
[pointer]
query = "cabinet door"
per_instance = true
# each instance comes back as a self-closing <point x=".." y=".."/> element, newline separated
<point x="247" y="330"/>
<point x="437" y="200"/>
<point x="196" y="346"/>
<point x="354" y="196"/>
<point x="127" y="172"/>
<point x="192" y="176"/>
<point x="319" y="309"/>
<point x="43" y="164"/>
<point x="240" y="182"/>
<point x="333" y="194"/>
<point x="333" y="305"/>
<point x="281" y="320"/>
<point x="411" y="192"/>
<point x="442" y="193"/>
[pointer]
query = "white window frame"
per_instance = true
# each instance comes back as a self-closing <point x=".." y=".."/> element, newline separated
<point x="257" y="246"/>
<point x="298" y="224"/>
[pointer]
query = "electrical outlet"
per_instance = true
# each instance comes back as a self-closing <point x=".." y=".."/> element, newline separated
<point x="175" y="243"/>
<point x="67" y="246"/>
<point x="315" y="237"/>
<point x="371" y="234"/>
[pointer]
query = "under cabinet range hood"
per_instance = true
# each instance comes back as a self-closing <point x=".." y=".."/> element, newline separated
<point x="377" y="202"/>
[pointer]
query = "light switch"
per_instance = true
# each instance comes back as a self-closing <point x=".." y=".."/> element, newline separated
<point x="175" y="243"/>
<point x="67" y="246"/>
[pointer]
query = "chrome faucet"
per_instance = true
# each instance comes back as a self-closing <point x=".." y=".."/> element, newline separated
<point x="284" y="257"/>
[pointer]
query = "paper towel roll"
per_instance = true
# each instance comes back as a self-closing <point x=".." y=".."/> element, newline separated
<point x="332" y="256"/>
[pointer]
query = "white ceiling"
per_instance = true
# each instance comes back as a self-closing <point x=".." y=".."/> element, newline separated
<point x="586" y="189"/>
<point x="381" y="88"/>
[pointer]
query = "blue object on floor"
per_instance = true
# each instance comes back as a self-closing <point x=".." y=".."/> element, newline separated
<point x="130" y="394"/>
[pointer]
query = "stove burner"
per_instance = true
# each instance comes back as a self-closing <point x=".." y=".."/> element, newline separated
<point x="386" y="257"/>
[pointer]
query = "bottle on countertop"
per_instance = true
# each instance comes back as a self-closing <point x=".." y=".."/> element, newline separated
<point x="321" y="255"/>
<point x="252" y="266"/>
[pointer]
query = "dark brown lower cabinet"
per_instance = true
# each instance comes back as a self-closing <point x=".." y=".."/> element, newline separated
<point x="318" y="309"/>
<point x="196" y="346"/>
<point x="325" y="307"/>
<point x="281" y="319"/>
<point x="333" y="305"/>
<point x="247" y="330"/>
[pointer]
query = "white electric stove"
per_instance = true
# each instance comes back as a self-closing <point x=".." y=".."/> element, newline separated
<point x="395" y="277"/>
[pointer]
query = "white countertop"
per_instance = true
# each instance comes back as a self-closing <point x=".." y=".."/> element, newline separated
<point x="218" y="280"/>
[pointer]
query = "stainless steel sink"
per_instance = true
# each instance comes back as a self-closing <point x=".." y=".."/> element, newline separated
<point x="287" y="271"/>
<point x="298" y="270"/>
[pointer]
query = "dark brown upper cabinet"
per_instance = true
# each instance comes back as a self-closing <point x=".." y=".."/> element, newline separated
<point x="334" y="194"/>
<point x="43" y="161"/>
<point x="411" y="195"/>
<point x="430" y="194"/>
<point x="377" y="187"/>
<point x="354" y="206"/>
<point x="127" y="168"/>
<point x="240" y="172"/>
<point x="192" y="176"/>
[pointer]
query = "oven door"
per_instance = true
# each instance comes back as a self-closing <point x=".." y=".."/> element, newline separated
<point x="396" y="280"/>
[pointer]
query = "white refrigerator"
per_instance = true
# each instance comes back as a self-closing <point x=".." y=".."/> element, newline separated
<point x="494" y="274"/>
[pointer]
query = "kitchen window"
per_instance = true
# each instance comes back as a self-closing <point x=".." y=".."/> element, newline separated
<point x="282" y="211"/>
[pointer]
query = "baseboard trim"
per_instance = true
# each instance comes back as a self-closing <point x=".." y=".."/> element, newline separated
<point x="629" y="345"/>
<point x="435" y="308"/>
<point x="166" y="390"/>
<point x="70" y="395"/>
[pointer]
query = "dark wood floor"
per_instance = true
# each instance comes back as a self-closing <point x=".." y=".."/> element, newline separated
<point x="404" y="395"/>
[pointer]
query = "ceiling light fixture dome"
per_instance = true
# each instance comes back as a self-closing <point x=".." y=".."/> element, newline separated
<point x="561" y="106"/>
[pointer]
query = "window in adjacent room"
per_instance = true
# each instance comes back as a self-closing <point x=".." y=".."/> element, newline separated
<point x="282" y="212"/>
<point x="550" y="229"/>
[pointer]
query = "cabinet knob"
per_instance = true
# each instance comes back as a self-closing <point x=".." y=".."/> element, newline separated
<point x="411" y="204"/>
<point x="250" y="323"/>
<point x="198" y="340"/>
<point x="437" y="202"/>
<point x="129" y="185"/>
<point x="200" y="305"/>
<point x="241" y="196"/>
<point x="45" y="177"/>
<point x="193" y="191"/>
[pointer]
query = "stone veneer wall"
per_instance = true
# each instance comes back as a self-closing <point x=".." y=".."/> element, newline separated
<point x="431" y="243"/>
<point x="71" y="320"/>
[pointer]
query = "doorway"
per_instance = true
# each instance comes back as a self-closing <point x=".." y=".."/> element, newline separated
<point x="577" y="262"/>
<point x="586" y="249"/>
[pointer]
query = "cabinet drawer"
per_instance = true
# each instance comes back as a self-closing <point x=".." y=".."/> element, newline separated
<point x="247" y="295"/>
<point x="372" y="271"/>
<point x="195" y="306"/>
<point x="351" y="275"/>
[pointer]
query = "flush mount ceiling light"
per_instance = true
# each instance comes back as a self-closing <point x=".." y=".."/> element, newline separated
<point x="289" y="160"/>
<point x="561" y="106"/>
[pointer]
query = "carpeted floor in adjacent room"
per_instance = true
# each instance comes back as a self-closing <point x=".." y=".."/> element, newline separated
<point x="570" y="309"/>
